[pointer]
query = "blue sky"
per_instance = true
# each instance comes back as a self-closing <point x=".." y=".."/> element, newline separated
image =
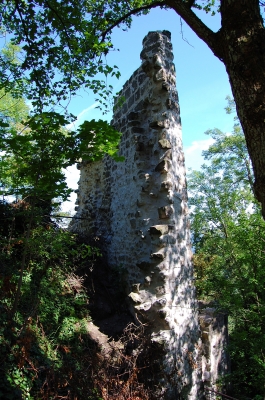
<point x="202" y="81"/>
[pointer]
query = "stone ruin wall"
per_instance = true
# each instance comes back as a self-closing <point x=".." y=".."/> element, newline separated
<point x="214" y="340"/>
<point x="138" y="210"/>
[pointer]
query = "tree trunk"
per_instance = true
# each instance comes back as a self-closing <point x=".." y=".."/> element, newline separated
<point x="240" y="45"/>
<point x="243" y="51"/>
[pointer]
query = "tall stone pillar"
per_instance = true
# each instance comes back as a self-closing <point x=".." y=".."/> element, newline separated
<point x="139" y="209"/>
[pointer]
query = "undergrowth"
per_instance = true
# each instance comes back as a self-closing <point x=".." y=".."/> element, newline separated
<point x="45" y="348"/>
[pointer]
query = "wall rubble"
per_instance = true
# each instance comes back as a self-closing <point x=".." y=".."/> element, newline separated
<point x="138" y="208"/>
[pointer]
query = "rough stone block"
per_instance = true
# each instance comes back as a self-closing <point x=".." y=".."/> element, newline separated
<point x="160" y="290"/>
<point x="166" y="185"/>
<point x="165" y="144"/>
<point x="167" y="155"/>
<point x="159" y="255"/>
<point x="160" y="124"/>
<point x="163" y="167"/>
<point x="159" y="230"/>
<point x="160" y="76"/>
<point x="165" y="212"/>
<point x="166" y="86"/>
<point x="158" y="61"/>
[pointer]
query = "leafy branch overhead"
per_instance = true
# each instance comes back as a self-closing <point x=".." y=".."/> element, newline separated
<point x="60" y="49"/>
<point x="64" y="46"/>
<point x="33" y="160"/>
<point x="54" y="50"/>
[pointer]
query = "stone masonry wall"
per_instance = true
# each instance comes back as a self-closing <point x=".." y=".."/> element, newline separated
<point x="138" y="209"/>
<point x="214" y="357"/>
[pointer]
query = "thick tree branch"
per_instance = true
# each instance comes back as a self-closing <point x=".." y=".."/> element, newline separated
<point x="183" y="9"/>
<point x="209" y="37"/>
<point x="190" y="3"/>
<point x="130" y="13"/>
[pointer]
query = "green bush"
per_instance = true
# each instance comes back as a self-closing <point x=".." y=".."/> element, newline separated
<point x="45" y="351"/>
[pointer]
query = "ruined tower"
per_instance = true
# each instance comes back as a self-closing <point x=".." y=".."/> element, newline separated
<point x="138" y="208"/>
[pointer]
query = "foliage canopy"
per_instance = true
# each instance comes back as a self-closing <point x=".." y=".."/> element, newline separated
<point x="228" y="239"/>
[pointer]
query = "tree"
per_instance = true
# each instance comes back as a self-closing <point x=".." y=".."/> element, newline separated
<point x="228" y="236"/>
<point x="34" y="153"/>
<point x="36" y="145"/>
<point x="59" y="50"/>
<point x="69" y="40"/>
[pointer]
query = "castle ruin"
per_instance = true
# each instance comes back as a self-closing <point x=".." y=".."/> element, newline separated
<point x="138" y="208"/>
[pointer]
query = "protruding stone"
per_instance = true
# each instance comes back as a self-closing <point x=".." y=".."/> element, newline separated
<point x="158" y="63"/>
<point x="161" y="302"/>
<point x="144" y="265"/>
<point x="144" y="306"/>
<point x="142" y="297"/>
<point x="166" y="86"/>
<point x="160" y="290"/>
<point x="166" y="185"/>
<point x="147" y="280"/>
<point x="136" y="298"/>
<point x="160" y="124"/>
<point x="160" y="75"/>
<point x="163" y="167"/>
<point x="136" y="287"/>
<point x="167" y="33"/>
<point x="165" y="144"/>
<point x="168" y="155"/>
<point x="159" y="230"/>
<point x="153" y="194"/>
<point x="165" y="212"/>
<point x="159" y="255"/>
<point x="172" y="105"/>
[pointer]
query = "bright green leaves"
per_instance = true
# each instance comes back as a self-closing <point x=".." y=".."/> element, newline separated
<point x="32" y="161"/>
<point x="11" y="76"/>
<point x="33" y="158"/>
<point x="228" y="236"/>
<point x="48" y="335"/>
<point x="12" y="110"/>
<point x="36" y="147"/>
<point x="58" y="39"/>
<point x="96" y="138"/>
<point x="64" y="45"/>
